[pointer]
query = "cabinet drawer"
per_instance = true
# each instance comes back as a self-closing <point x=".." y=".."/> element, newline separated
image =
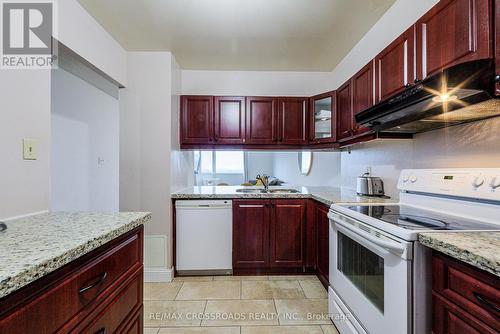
<point x="447" y="318"/>
<point x="476" y="292"/>
<point x="79" y="291"/>
<point x="117" y="315"/>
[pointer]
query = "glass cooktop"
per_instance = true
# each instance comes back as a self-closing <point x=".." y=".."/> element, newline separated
<point x="417" y="219"/>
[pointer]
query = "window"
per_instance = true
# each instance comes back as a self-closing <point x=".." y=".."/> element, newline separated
<point x="222" y="166"/>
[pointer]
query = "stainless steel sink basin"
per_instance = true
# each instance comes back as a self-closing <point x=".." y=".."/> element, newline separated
<point x="250" y="191"/>
<point x="283" y="191"/>
<point x="269" y="191"/>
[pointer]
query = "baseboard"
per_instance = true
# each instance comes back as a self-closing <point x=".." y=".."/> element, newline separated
<point x="152" y="275"/>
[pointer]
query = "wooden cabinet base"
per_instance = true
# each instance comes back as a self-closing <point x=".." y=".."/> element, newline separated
<point x="102" y="289"/>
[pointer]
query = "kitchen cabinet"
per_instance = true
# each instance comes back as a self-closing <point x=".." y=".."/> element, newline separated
<point x="292" y="120"/>
<point x="322" y="119"/>
<point x="345" y="122"/>
<point x="453" y="32"/>
<point x="268" y="234"/>
<point x="363" y="93"/>
<point x="251" y="227"/>
<point x="464" y="298"/>
<point x="288" y="233"/>
<point x="197" y="120"/>
<point x="229" y="120"/>
<point x="322" y="241"/>
<point x="261" y="120"/>
<point x="100" y="291"/>
<point x="395" y="66"/>
<point x="497" y="46"/>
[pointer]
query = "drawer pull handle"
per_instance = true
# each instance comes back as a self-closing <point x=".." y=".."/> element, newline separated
<point x="100" y="279"/>
<point x="482" y="300"/>
<point x="101" y="331"/>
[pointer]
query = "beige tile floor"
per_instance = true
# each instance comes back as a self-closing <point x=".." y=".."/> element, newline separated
<point x="237" y="305"/>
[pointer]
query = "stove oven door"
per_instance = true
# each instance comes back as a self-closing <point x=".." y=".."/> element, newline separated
<point x="370" y="271"/>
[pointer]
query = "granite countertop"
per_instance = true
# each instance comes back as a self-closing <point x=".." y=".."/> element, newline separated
<point x="480" y="249"/>
<point x="34" y="246"/>
<point x="325" y="195"/>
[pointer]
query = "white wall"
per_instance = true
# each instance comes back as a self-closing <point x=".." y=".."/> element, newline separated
<point x="24" y="113"/>
<point x="84" y="123"/>
<point x="80" y="32"/>
<point x="256" y="83"/>
<point x="145" y="152"/>
<point x="473" y="145"/>
<point x="325" y="169"/>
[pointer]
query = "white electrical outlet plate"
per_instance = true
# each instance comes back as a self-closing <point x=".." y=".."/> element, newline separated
<point x="29" y="149"/>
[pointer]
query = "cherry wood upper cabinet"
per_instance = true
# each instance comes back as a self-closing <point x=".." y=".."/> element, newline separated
<point x="292" y="120"/>
<point x="363" y="92"/>
<point x="497" y="45"/>
<point x="322" y="118"/>
<point x="251" y="223"/>
<point x="345" y="122"/>
<point x="452" y="32"/>
<point x="196" y="119"/>
<point x="395" y="66"/>
<point x="261" y="120"/>
<point x="288" y="227"/>
<point x="229" y="120"/>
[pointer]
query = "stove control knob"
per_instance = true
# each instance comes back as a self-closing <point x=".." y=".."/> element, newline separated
<point x="495" y="182"/>
<point x="413" y="179"/>
<point x="478" y="181"/>
<point x="405" y="178"/>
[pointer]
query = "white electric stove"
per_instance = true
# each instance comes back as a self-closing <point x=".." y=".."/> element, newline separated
<point x="379" y="273"/>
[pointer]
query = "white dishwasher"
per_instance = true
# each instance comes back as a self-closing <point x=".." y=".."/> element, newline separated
<point x="203" y="237"/>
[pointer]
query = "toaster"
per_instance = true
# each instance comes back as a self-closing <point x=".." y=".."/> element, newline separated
<point x="369" y="185"/>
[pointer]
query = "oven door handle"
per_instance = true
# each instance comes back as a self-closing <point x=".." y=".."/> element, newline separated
<point x="393" y="247"/>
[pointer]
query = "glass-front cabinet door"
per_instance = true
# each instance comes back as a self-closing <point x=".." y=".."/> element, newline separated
<point x="322" y="118"/>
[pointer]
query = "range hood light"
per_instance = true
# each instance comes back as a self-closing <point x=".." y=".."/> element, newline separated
<point x="443" y="98"/>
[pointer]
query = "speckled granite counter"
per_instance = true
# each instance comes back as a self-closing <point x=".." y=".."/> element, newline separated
<point x="34" y="246"/>
<point x="326" y="195"/>
<point x="480" y="249"/>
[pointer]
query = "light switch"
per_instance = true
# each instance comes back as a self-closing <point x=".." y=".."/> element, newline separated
<point x="29" y="149"/>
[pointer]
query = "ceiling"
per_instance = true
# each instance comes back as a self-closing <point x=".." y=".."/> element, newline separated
<point x="281" y="35"/>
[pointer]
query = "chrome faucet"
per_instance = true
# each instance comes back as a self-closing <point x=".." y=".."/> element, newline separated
<point x="265" y="181"/>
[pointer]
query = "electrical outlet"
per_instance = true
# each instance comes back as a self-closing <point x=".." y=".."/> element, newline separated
<point x="29" y="149"/>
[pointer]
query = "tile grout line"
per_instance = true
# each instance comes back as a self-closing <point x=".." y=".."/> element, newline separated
<point x="204" y="310"/>
<point x="302" y="289"/>
<point x="177" y="294"/>
<point x="276" y="309"/>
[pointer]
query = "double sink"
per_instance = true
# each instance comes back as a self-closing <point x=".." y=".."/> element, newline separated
<point x="268" y="191"/>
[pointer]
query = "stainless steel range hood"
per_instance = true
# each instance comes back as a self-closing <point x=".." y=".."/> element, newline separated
<point x="460" y="94"/>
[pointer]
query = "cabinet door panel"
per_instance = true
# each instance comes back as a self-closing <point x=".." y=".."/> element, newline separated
<point x="251" y="233"/>
<point x="288" y="233"/>
<point x="497" y="45"/>
<point x="323" y="234"/>
<point x="293" y="120"/>
<point x="452" y="32"/>
<point x="261" y="119"/>
<point x="229" y="120"/>
<point x="395" y="66"/>
<point x="345" y="122"/>
<point x="196" y="119"/>
<point x="322" y="118"/>
<point x="363" y="92"/>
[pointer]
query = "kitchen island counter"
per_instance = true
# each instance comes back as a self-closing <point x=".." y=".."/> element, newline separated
<point x="35" y="246"/>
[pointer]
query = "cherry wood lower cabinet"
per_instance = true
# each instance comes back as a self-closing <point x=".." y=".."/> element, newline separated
<point x="322" y="242"/>
<point x="465" y="299"/>
<point x="269" y="235"/>
<point x="100" y="292"/>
